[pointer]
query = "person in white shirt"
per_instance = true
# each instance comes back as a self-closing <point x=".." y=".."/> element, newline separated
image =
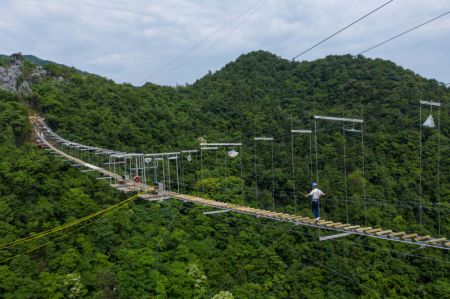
<point x="315" y="194"/>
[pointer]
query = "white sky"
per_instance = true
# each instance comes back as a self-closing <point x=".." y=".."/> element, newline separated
<point x="131" y="40"/>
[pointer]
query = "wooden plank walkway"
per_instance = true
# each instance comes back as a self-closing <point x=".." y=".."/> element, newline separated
<point x="379" y="233"/>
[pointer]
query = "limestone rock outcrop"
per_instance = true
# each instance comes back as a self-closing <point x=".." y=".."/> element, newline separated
<point x="13" y="78"/>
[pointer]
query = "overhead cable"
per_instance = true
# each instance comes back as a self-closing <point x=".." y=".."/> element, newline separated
<point x="339" y="31"/>
<point x="250" y="11"/>
<point x="403" y="33"/>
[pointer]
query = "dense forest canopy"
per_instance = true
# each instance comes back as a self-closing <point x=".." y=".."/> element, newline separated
<point x="171" y="249"/>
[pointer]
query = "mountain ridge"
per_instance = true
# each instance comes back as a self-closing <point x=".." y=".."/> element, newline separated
<point x="31" y="58"/>
<point x="247" y="58"/>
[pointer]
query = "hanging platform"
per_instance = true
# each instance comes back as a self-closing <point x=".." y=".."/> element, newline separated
<point x="351" y="120"/>
<point x="430" y="103"/>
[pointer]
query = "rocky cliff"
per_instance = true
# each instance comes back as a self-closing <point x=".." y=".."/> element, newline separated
<point x="18" y="76"/>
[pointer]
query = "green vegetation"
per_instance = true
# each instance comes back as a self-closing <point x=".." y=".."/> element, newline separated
<point x="29" y="58"/>
<point x="171" y="249"/>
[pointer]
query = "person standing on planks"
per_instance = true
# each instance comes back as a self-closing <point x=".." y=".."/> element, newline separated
<point x="315" y="194"/>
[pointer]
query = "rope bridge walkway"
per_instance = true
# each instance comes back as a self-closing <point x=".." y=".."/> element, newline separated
<point x="152" y="193"/>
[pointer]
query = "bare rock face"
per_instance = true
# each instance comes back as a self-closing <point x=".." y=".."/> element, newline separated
<point x="9" y="76"/>
<point x="13" y="79"/>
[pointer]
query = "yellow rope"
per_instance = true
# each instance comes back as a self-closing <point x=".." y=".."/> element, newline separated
<point x="65" y="235"/>
<point x="62" y="227"/>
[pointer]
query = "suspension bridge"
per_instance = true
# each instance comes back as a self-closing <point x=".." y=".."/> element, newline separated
<point x="133" y="179"/>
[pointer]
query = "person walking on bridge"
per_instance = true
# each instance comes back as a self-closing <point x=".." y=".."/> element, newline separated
<point x="315" y="194"/>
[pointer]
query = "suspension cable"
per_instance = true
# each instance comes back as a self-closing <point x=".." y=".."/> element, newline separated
<point x="196" y="163"/>
<point x="420" y="164"/>
<point x="273" y="180"/>
<point x="315" y="145"/>
<point x="439" y="172"/>
<point x="256" y="177"/>
<point x="217" y="173"/>
<point x="201" y="165"/>
<point x="403" y="33"/>
<point x="293" y="169"/>
<point x="345" y="166"/>
<point x="363" y="167"/>
<point x="164" y="174"/>
<point x="168" y="175"/>
<point x="315" y="142"/>
<point x="242" y="176"/>
<point x="226" y="176"/>
<point x="310" y="153"/>
<point x="155" y="170"/>
<point x="178" y="179"/>
<point x="183" y="188"/>
<point x="342" y="29"/>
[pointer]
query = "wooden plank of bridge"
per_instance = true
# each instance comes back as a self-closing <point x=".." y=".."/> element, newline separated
<point x="331" y="224"/>
<point x="300" y="219"/>
<point x="345" y="225"/>
<point x="422" y="238"/>
<point x="286" y="216"/>
<point x="408" y="236"/>
<point x="447" y="244"/>
<point x="439" y="240"/>
<point x="290" y="217"/>
<point x="324" y="222"/>
<point x="281" y="215"/>
<point x="310" y="221"/>
<point x="270" y="213"/>
<point x="351" y="227"/>
<point x="335" y="224"/>
<point x="363" y="229"/>
<point x="375" y="230"/>
<point x="396" y="234"/>
<point x="383" y="232"/>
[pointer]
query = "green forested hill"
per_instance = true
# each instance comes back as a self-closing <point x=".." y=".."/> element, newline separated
<point x="31" y="58"/>
<point x="171" y="249"/>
